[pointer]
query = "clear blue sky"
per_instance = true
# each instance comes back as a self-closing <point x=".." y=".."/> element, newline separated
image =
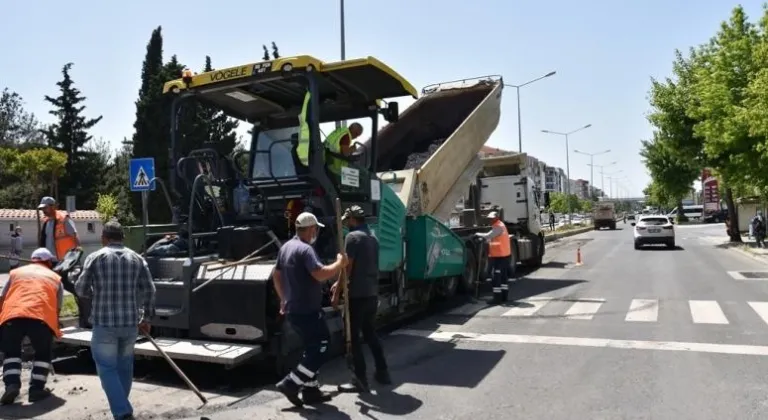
<point x="604" y="53"/>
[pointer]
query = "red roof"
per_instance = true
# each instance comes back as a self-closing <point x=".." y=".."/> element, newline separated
<point x="23" y="214"/>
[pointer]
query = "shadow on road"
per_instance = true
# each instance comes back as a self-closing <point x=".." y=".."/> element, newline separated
<point x="661" y="248"/>
<point x="31" y="410"/>
<point x="526" y="287"/>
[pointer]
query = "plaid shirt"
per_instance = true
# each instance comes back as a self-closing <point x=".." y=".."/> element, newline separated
<point x="119" y="281"/>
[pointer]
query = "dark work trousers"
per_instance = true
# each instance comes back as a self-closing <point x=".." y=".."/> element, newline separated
<point x="313" y="331"/>
<point x="41" y="338"/>
<point x="500" y="277"/>
<point x="362" y="315"/>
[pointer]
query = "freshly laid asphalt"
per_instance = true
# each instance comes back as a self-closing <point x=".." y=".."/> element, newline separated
<point x="648" y="334"/>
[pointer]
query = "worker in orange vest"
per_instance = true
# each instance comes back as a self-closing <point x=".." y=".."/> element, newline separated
<point x="58" y="232"/>
<point x="29" y="307"/>
<point x="499" y="257"/>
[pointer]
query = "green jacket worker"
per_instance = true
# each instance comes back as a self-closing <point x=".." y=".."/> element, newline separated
<point x="339" y="141"/>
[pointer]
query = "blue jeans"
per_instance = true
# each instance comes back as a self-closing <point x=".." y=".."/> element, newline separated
<point x="112" y="350"/>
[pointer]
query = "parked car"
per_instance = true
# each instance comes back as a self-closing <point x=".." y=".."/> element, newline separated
<point x="654" y="230"/>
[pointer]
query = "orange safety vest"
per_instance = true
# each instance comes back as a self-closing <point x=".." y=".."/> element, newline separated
<point x="500" y="246"/>
<point x="34" y="294"/>
<point x="61" y="240"/>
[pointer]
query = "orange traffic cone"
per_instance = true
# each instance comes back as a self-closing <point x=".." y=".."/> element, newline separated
<point x="578" y="256"/>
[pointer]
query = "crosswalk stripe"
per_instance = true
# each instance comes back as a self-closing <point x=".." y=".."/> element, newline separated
<point x="643" y="310"/>
<point x="706" y="312"/>
<point x="584" y="309"/>
<point x="761" y="308"/>
<point x="527" y="307"/>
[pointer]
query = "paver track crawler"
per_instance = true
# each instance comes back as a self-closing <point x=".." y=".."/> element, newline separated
<point x="229" y="315"/>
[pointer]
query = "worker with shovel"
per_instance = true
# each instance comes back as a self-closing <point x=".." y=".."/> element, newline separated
<point x="299" y="277"/>
<point x="362" y="249"/>
<point x="29" y="307"/>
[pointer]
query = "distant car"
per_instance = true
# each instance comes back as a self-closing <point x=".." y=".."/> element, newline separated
<point x="631" y="217"/>
<point x="654" y="230"/>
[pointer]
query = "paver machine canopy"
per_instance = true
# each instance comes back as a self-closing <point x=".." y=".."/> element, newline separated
<point x="286" y="100"/>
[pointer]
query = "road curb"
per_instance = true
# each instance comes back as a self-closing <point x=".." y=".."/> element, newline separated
<point x="748" y="254"/>
<point x="556" y="236"/>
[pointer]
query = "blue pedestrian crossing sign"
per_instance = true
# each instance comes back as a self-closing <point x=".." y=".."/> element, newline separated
<point x="142" y="172"/>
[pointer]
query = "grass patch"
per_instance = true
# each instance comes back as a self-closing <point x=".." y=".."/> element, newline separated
<point x="69" y="307"/>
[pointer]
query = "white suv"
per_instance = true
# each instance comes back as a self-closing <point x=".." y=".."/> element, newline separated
<point x="654" y="230"/>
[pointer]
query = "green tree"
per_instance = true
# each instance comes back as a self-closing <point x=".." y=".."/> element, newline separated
<point x="17" y="126"/>
<point x="671" y="171"/>
<point x="152" y="125"/>
<point x="69" y="134"/>
<point x="721" y="88"/>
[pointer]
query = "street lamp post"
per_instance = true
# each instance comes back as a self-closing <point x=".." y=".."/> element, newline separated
<point x="519" y="120"/>
<point x="567" y="162"/>
<point x="592" y="166"/>
<point x="602" y="174"/>
<point x="612" y="178"/>
<point x="343" y="45"/>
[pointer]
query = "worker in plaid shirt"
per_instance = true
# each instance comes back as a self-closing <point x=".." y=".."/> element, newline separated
<point x="123" y="296"/>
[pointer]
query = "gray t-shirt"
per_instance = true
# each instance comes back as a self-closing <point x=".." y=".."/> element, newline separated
<point x="363" y="249"/>
<point x="296" y="261"/>
<point x="69" y="227"/>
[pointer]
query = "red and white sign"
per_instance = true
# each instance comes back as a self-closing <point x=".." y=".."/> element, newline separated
<point x="711" y="190"/>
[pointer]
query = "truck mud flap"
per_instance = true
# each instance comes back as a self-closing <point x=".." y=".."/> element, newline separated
<point x="228" y="354"/>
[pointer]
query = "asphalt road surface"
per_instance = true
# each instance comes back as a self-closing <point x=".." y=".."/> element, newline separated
<point x="649" y="334"/>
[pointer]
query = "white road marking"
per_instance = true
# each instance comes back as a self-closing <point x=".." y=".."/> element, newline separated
<point x="643" y="310"/>
<point x="739" y="349"/>
<point x="706" y="312"/>
<point x="528" y="307"/>
<point x="584" y="309"/>
<point x="761" y="308"/>
<point x="738" y="276"/>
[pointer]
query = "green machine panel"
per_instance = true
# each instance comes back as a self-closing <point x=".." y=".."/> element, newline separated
<point x="134" y="235"/>
<point x="434" y="250"/>
<point x="389" y="230"/>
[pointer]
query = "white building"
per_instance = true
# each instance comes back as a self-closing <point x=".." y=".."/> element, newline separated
<point x="87" y="222"/>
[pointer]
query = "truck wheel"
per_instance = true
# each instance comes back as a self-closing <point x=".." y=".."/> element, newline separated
<point x="448" y="287"/>
<point x="470" y="275"/>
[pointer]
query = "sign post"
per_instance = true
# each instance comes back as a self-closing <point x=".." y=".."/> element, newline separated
<point x="141" y="177"/>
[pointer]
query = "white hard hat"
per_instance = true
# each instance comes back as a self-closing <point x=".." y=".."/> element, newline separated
<point x="307" y="219"/>
<point x="493" y="215"/>
<point x="42" y="254"/>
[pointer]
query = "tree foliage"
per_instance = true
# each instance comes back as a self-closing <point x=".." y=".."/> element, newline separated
<point x="713" y="113"/>
<point x="17" y="126"/>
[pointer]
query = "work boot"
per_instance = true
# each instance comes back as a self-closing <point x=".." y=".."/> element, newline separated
<point x="10" y="394"/>
<point x="38" y="394"/>
<point x="382" y="377"/>
<point x="355" y="385"/>
<point x="291" y="391"/>
<point x="313" y="395"/>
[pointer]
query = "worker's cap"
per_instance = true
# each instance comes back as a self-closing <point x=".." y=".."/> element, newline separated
<point x="47" y="201"/>
<point x="42" y="254"/>
<point x="353" y="211"/>
<point x="307" y="219"/>
<point x="493" y="215"/>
